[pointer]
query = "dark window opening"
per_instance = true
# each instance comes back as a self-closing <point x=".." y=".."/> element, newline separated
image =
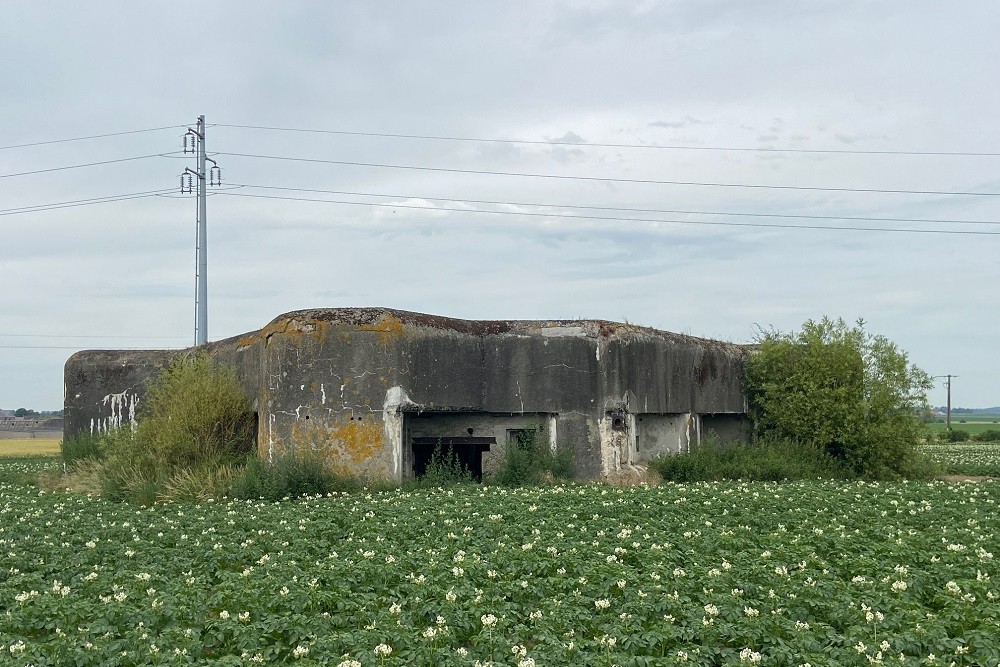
<point x="466" y="452"/>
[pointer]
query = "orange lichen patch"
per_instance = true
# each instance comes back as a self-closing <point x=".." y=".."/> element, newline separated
<point x="349" y="446"/>
<point x="297" y="328"/>
<point x="247" y="341"/>
<point x="388" y="327"/>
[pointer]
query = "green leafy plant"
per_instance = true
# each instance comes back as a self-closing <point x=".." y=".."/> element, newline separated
<point x="702" y="573"/>
<point x="288" y="476"/>
<point x="83" y="446"/>
<point x="195" y="418"/>
<point x="955" y="435"/>
<point x="838" y="390"/>
<point x="764" y="460"/>
<point x="443" y="469"/>
<point x="527" y="462"/>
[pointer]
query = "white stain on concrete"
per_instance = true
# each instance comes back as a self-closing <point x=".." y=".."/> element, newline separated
<point x="553" y="421"/>
<point x="122" y="410"/>
<point x="393" y="418"/>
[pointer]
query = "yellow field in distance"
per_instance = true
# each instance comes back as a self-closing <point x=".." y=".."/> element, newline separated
<point x="30" y="447"/>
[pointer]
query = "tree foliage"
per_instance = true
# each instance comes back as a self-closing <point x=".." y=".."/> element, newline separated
<point x="839" y="390"/>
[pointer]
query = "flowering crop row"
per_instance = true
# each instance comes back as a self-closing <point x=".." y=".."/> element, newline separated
<point x="967" y="458"/>
<point x="817" y="573"/>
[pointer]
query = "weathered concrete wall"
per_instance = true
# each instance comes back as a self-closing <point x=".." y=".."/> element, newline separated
<point x="355" y="385"/>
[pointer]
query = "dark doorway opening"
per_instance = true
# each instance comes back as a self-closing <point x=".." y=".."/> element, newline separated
<point x="466" y="452"/>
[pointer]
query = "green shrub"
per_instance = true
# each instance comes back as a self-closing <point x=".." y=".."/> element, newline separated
<point x="956" y="435"/>
<point x="989" y="435"/>
<point x="289" y="476"/>
<point x="195" y="418"/>
<point x="83" y="446"/>
<point x="527" y="462"/>
<point x="195" y="413"/>
<point x="766" y="460"/>
<point x="839" y="390"/>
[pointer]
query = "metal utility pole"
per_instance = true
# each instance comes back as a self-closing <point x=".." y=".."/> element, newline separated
<point x="194" y="142"/>
<point x="948" y="385"/>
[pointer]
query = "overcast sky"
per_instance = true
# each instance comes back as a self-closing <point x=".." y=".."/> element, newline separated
<point x="861" y="77"/>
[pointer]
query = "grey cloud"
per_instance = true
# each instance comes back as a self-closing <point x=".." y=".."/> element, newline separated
<point x="687" y="121"/>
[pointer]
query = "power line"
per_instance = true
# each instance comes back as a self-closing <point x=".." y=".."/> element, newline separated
<point x="622" y="208"/>
<point x="556" y="142"/>
<point x="619" y="218"/>
<point x="605" y="179"/>
<point x="73" y="203"/>
<point x="33" y="335"/>
<point x="80" y="166"/>
<point x="92" y="136"/>
<point x="74" y="347"/>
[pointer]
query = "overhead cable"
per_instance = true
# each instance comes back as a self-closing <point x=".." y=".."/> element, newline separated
<point x="591" y="144"/>
<point x="92" y="136"/>
<point x="619" y="218"/>
<point x="607" y="179"/>
<point x="80" y="166"/>
<point x="73" y="203"/>
<point x="623" y="208"/>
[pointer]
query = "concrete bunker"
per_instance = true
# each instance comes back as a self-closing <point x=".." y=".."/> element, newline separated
<point x="371" y="389"/>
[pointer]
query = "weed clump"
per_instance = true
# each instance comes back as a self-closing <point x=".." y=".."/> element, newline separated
<point x="83" y="446"/>
<point x="528" y="463"/>
<point x="765" y="461"/>
<point x="288" y="476"/>
<point x="196" y="423"/>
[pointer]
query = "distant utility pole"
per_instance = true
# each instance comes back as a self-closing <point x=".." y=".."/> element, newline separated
<point x="194" y="142"/>
<point x="948" y="385"/>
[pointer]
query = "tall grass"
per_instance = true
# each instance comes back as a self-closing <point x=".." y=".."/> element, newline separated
<point x="770" y="460"/>
<point x="289" y="476"/>
<point x="528" y="462"/>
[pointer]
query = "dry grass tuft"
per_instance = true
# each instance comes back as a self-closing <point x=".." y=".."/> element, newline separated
<point x="81" y="477"/>
<point x="633" y="475"/>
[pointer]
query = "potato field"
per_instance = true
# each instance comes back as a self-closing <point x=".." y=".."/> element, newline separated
<point x="801" y="573"/>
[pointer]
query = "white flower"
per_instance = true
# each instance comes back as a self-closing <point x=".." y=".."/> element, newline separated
<point x="347" y="662"/>
<point x="395" y="608"/>
<point x="749" y="655"/>
<point x="711" y="610"/>
<point x="430" y="632"/>
<point x="602" y="604"/>
<point x="17" y="647"/>
<point x="450" y="596"/>
<point x="899" y="586"/>
<point x="300" y="651"/>
<point x="488" y="620"/>
<point x="751" y="612"/>
<point x="383" y="650"/>
<point x="223" y="614"/>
